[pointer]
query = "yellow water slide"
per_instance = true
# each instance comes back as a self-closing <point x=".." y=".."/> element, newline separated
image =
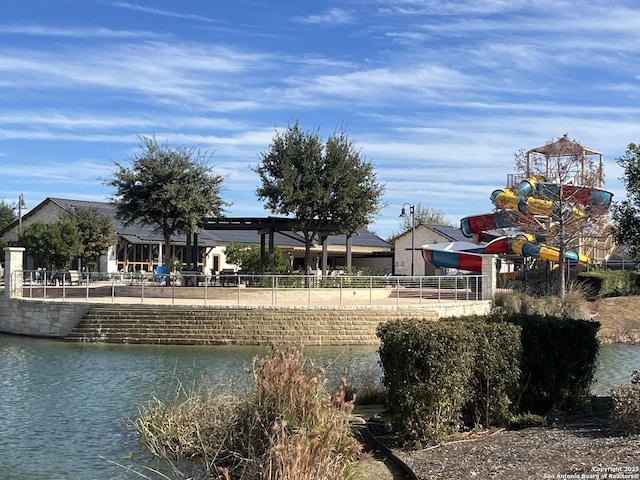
<point x="508" y="199"/>
<point x="525" y="245"/>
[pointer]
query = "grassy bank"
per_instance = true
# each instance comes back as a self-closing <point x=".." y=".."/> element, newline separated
<point x="619" y="318"/>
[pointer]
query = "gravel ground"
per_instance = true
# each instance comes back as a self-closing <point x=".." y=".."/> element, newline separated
<point x="568" y="447"/>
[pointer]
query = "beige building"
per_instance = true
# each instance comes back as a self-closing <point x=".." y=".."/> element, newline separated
<point x="422" y="235"/>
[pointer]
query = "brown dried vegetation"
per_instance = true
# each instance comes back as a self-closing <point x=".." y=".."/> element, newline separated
<point x="286" y="428"/>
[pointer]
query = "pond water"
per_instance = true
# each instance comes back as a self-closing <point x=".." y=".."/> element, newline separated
<point x="63" y="405"/>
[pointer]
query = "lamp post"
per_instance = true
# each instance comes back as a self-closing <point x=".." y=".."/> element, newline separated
<point x="403" y="214"/>
<point x="21" y="205"/>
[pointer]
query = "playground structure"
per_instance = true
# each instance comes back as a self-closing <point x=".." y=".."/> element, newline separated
<point x="533" y="211"/>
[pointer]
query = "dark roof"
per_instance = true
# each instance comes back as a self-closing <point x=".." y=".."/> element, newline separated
<point x="447" y="231"/>
<point x="139" y="233"/>
<point x="454" y="233"/>
<point x="363" y="238"/>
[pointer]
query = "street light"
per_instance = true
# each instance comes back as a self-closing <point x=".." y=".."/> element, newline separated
<point x="21" y="205"/>
<point x="403" y="214"/>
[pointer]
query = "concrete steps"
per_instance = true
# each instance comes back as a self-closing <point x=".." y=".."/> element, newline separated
<point x="156" y="325"/>
<point x="189" y="325"/>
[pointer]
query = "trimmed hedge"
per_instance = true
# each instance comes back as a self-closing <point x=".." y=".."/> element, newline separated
<point x="558" y="362"/>
<point x="443" y="376"/>
<point x="610" y="283"/>
<point x="496" y="371"/>
<point x="440" y="373"/>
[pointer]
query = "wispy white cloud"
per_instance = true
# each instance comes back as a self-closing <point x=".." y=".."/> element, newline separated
<point x="334" y="16"/>
<point x="79" y="32"/>
<point x="438" y="95"/>
<point x="158" y="70"/>
<point x="161" y="12"/>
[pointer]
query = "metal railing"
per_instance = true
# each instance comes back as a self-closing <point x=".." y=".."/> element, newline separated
<point x="249" y="290"/>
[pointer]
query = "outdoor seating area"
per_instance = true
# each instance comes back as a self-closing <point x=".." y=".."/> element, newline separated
<point x="53" y="279"/>
<point x="226" y="277"/>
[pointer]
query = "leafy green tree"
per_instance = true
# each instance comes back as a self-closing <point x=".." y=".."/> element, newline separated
<point x="172" y="189"/>
<point x="7" y="213"/>
<point x="354" y="191"/>
<point x="52" y="245"/>
<point x="97" y="232"/>
<point x="247" y="258"/>
<point x="626" y="214"/>
<point x="318" y="183"/>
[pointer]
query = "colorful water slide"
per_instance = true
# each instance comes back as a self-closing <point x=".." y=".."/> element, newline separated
<point x="517" y="210"/>
<point x="574" y="194"/>
<point x="524" y="246"/>
<point x="476" y="224"/>
<point x="465" y="256"/>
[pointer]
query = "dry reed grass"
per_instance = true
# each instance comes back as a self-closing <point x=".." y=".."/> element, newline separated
<point x="288" y="427"/>
<point x="574" y="305"/>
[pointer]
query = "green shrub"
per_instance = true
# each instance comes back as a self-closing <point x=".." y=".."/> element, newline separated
<point x="610" y="283"/>
<point x="427" y="367"/>
<point x="446" y="375"/>
<point x="496" y="371"/>
<point x="526" y="420"/>
<point x="558" y="362"/>
<point x="625" y="408"/>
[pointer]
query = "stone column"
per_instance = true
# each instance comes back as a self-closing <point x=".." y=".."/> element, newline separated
<point x="489" y="276"/>
<point x="13" y="276"/>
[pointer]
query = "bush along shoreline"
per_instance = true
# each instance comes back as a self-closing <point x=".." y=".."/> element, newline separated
<point x="464" y="373"/>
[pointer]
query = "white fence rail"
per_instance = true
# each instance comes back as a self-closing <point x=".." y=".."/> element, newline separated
<point x="248" y="290"/>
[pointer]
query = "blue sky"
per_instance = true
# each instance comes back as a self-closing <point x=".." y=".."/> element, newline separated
<point x="438" y="95"/>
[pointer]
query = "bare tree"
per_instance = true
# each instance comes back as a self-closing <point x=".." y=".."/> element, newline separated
<point x="561" y="200"/>
<point x="423" y="215"/>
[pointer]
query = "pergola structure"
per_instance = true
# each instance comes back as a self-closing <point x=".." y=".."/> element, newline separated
<point x="268" y="226"/>
<point x="564" y="147"/>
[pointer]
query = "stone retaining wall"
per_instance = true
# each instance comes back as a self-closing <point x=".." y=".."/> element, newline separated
<point x="40" y="319"/>
<point x="249" y="325"/>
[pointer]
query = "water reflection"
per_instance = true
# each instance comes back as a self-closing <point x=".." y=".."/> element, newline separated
<point x="62" y="405"/>
<point x="616" y="363"/>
